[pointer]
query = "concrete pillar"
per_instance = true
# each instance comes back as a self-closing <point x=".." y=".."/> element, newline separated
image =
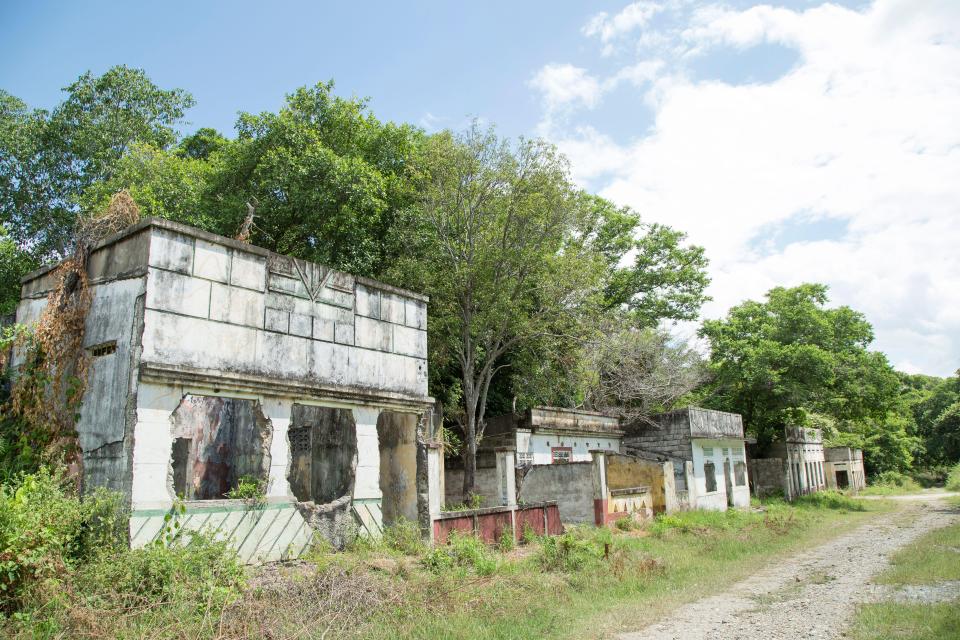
<point x="600" y="493"/>
<point x="367" y="485"/>
<point x="669" y="488"/>
<point x="507" y="476"/>
<point x="691" y="484"/>
<point x="435" y="478"/>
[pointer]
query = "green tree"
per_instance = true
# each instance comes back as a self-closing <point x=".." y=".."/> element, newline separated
<point x="777" y="360"/>
<point x="935" y="407"/>
<point x="14" y="264"/>
<point x="496" y="258"/>
<point x="48" y="159"/>
<point x="326" y="179"/>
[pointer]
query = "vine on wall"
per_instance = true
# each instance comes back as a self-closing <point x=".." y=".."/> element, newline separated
<point x="39" y="418"/>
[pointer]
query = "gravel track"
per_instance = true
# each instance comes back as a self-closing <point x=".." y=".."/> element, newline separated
<point x="812" y="594"/>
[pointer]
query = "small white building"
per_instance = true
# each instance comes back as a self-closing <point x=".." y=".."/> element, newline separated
<point x="707" y="449"/>
<point x="551" y="435"/>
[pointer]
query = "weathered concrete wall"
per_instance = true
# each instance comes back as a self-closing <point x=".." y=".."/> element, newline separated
<point x="486" y="485"/>
<point x="216" y="304"/>
<point x="535" y="432"/>
<point x="111" y="337"/>
<point x="843" y="468"/>
<point x="570" y="485"/>
<point x="669" y="438"/>
<point x="724" y="491"/>
<point x="397" y="434"/>
<point x="193" y="314"/>
<point x="624" y="472"/>
<point x="769" y="476"/>
<point x="267" y="533"/>
<point x="323" y="447"/>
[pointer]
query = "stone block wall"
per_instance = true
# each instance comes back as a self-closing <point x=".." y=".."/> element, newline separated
<point x="212" y="303"/>
<point x="670" y="438"/>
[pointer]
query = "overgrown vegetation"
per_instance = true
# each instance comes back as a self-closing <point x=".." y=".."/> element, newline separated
<point x="953" y="478"/>
<point x="73" y="575"/>
<point x="891" y="483"/>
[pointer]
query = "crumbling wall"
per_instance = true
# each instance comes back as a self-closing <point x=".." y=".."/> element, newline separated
<point x="671" y="437"/>
<point x="323" y="453"/>
<point x="485" y="485"/>
<point x="625" y="472"/>
<point x="216" y="442"/>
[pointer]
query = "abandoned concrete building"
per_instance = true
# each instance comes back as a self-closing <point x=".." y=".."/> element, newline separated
<point x="214" y="361"/>
<point x="791" y="466"/>
<point x="706" y="449"/>
<point x="537" y="436"/>
<point x="843" y="468"/>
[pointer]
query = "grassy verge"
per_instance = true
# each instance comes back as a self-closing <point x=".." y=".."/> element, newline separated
<point x="932" y="559"/>
<point x="586" y="583"/>
<point x="644" y="573"/>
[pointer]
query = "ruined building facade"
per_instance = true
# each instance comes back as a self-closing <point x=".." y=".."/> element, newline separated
<point x="218" y="366"/>
<point x="707" y="449"/>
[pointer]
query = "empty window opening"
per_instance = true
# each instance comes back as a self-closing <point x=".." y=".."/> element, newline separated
<point x="323" y="453"/>
<point x="710" y="474"/>
<point x="217" y="442"/>
<point x="397" y="438"/>
<point x="842" y="481"/>
<point x="103" y="349"/>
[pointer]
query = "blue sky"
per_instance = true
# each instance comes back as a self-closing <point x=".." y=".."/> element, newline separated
<point x="797" y="141"/>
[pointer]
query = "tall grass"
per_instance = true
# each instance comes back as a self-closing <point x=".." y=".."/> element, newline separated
<point x="953" y="478"/>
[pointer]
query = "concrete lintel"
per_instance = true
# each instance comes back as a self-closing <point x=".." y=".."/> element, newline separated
<point x="222" y="381"/>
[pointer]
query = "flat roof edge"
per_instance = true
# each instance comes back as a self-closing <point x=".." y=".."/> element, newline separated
<point x="179" y="227"/>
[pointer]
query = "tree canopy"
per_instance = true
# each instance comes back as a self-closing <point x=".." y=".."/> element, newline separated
<point x="778" y="360"/>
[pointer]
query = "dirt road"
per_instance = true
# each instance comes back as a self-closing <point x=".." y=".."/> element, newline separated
<point x="809" y="595"/>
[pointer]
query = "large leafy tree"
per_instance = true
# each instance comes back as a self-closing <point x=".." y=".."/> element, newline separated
<point x="49" y="159"/>
<point x="495" y="258"/>
<point x="326" y="180"/>
<point x="779" y="360"/>
<point x="935" y="407"/>
<point x="524" y="271"/>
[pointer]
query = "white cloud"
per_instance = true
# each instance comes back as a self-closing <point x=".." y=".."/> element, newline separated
<point x="633" y="16"/>
<point x="863" y="129"/>
<point x="562" y="85"/>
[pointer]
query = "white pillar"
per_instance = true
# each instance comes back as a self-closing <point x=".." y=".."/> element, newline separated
<point x="507" y="476"/>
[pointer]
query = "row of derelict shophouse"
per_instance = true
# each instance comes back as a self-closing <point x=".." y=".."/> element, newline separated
<point x="214" y="362"/>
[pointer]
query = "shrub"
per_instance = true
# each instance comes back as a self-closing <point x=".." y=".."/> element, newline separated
<point x="404" y="536"/>
<point x="465" y="551"/>
<point x="507" y="540"/>
<point x="249" y="488"/>
<point x="891" y="482"/>
<point x="568" y="552"/>
<point x="931" y="476"/>
<point x="46" y="530"/>
<point x="953" y="478"/>
<point x="626" y="523"/>
<point x="202" y="570"/>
